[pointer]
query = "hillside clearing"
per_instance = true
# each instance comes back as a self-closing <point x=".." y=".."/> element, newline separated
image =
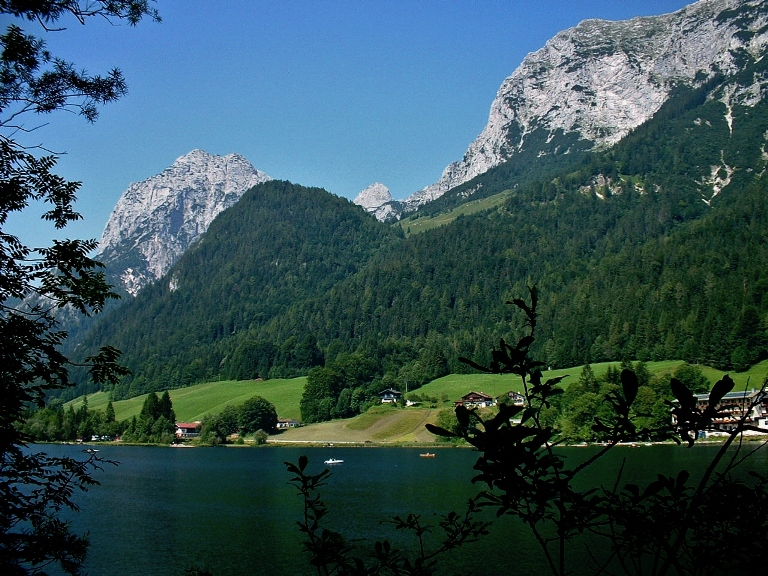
<point x="194" y="402"/>
<point x="382" y="426"/>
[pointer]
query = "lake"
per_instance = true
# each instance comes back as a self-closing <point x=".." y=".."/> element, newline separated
<point x="231" y="510"/>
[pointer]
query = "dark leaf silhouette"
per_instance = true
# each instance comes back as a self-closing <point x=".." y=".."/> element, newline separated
<point x="720" y="389"/>
<point x="629" y="385"/>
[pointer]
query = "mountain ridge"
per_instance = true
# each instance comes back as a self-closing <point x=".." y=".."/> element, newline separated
<point x="590" y="85"/>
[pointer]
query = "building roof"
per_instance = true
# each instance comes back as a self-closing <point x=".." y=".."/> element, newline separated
<point x="738" y="395"/>
<point x="476" y="395"/>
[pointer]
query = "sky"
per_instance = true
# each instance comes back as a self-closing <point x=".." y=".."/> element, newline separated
<point x="336" y="94"/>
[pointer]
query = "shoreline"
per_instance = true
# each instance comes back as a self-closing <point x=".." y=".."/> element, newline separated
<point x="277" y="443"/>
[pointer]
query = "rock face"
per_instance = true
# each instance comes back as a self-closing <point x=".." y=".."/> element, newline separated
<point x="155" y="221"/>
<point x="377" y="200"/>
<point x="592" y="84"/>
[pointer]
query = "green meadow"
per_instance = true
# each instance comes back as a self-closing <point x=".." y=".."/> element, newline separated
<point x="192" y="403"/>
<point x="416" y="225"/>
<point x="454" y="386"/>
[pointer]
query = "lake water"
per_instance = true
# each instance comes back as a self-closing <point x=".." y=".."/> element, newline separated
<point x="231" y="510"/>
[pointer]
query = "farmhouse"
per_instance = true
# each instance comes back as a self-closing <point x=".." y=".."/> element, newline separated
<point x="736" y="405"/>
<point x="390" y="396"/>
<point x="515" y="398"/>
<point x="285" y="423"/>
<point x="476" y="400"/>
<point x="187" y="429"/>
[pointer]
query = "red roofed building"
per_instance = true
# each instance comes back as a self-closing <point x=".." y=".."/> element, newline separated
<point x="187" y="429"/>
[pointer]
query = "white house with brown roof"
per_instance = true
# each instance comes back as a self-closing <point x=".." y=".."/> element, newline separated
<point x="476" y="400"/>
<point x="285" y="423"/>
<point x="515" y="398"/>
<point x="187" y="429"/>
<point x="390" y="396"/>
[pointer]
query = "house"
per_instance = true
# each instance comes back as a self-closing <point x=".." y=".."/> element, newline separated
<point x="515" y="398"/>
<point x="476" y="400"/>
<point x="736" y="405"/>
<point x="285" y="423"/>
<point x="187" y="429"/>
<point x="390" y="396"/>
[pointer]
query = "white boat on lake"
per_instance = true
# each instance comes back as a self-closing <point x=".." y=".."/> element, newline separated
<point x="333" y="461"/>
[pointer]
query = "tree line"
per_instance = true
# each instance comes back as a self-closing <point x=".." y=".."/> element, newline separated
<point x="571" y="413"/>
<point x="156" y="423"/>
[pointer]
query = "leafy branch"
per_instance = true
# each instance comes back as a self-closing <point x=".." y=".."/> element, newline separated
<point x="527" y="478"/>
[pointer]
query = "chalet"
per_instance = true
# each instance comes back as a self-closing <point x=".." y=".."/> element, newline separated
<point x="737" y="405"/>
<point x="515" y="398"/>
<point x="187" y="429"/>
<point x="390" y="396"/>
<point x="285" y="423"/>
<point x="476" y="400"/>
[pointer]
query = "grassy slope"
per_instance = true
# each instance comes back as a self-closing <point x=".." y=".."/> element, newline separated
<point x="381" y="423"/>
<point x="193" y="403"/>
<point x="456" y="385"/>
<point x="412" y="225"/>
<point x="392" y="425"/>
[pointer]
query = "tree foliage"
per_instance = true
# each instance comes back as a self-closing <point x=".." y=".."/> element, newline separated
<point x="528" y="478"/>
<point x="156" y="423"/>
<point x="35" y="283"/>
<point x="342" y="388"/>
<point x="256" y="414"/>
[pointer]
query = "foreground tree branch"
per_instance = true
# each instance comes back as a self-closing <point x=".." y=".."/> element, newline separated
<point x="36" y="282"/>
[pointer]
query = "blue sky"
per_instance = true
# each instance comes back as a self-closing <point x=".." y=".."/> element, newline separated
<point x="336" y="94"/>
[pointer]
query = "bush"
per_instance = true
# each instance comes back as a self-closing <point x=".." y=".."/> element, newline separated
<point x="260" y="437"/>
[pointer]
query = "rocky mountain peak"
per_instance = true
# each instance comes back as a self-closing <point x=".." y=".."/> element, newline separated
<point x="374" y="196"/>
<point x="590" y="85"/>
<point x="377" y="200"/>
<point x="156" y="220"/>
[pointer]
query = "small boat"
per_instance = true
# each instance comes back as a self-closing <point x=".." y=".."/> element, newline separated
<point x="427" y="455"/>
<point x="333" y="461"/>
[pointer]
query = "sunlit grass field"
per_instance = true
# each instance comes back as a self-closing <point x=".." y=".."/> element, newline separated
<point x="414" y="225"/>
<point x="456" y="385"/>
<point x="193" y="403"/>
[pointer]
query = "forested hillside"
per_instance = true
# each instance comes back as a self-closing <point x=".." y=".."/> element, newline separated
<point x="653" y="249"/>
<point x="630" y="259"/>
<point x="284" y="243"/>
